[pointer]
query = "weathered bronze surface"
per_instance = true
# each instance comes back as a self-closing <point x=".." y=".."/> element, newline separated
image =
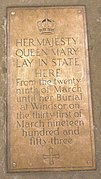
<point x="49" y="126"/>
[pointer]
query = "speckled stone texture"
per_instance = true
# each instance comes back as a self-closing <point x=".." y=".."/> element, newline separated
<point x="93" y="10"/>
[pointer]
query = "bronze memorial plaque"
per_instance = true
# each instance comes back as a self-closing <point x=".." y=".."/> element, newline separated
<point x="49" y="125"/>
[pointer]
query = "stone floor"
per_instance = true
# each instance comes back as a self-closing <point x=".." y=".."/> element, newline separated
<point x="93" y="10"/>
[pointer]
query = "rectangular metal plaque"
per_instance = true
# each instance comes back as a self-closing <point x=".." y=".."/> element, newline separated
<point x="49" y="126"/>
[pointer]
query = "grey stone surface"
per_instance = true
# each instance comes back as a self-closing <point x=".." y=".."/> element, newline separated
<point x="93" y="10"/>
